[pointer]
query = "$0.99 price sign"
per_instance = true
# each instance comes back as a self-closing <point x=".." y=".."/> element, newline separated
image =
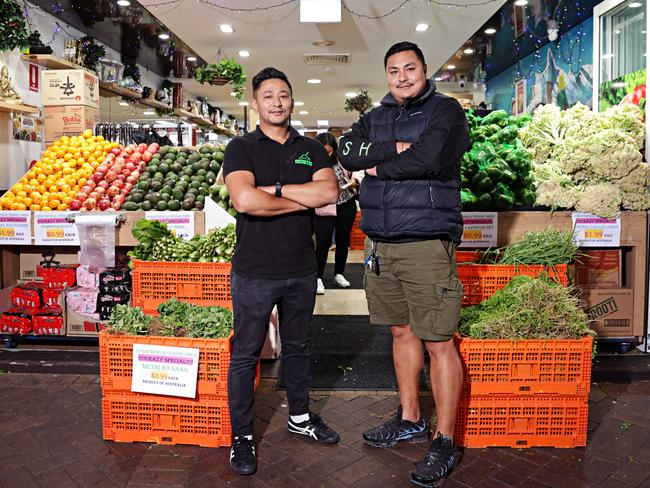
<point x="592" y="231"/>
<point x="480" y="229"/>
<point x="53" y="228"/>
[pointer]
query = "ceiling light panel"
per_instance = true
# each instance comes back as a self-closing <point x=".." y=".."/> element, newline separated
<point x="320" y="11"/>
<point x="226" y="28"/>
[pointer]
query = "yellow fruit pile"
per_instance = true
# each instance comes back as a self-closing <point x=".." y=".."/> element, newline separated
<point x="53" y="182"/>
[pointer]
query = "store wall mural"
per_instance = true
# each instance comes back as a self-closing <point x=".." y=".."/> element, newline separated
<point x="559" y="72"/>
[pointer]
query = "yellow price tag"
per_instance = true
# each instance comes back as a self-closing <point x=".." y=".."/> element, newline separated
<point x="55" y="233"/>
<point x="472" y="235"/>
<point x="7" y="232"/>
<point x="158" y="376"/>
<point x="593" y="233"/>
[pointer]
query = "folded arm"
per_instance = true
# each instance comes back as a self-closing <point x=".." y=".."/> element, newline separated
<point x="321" y="191"/>
<point x="357" y="152"/>
<point x="248" y="199"/>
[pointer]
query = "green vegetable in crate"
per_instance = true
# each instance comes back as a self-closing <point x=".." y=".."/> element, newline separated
<point x="527" y="308"/>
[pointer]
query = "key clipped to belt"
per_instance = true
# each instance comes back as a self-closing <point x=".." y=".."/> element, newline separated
<point x="372" y="261"/>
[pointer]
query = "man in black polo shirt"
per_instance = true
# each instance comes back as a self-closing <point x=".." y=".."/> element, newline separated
<point x="275" y="178"/>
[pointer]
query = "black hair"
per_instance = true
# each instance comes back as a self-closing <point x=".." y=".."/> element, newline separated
<point x="325" y="138"/>
<point x="268" y="74"/>
<point x="401" y="47"/>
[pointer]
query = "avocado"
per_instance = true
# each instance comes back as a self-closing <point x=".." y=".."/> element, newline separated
<point x="161" y="206"/>
<point x="130" y="206"/>
<point x="173" y="150"/>
<point x="158" y="176"/>
<point x="156" y="186"/>
<point x="201" y="172"/>
<point x="174" y="205"/>
<point x="146" y="206"/>
<point x="163" y="168"/>
<point x="201" y="198"/>
<point x="137" y="197"/>
<point x="152" y="168"/>
<point x="215" y="167"/>
<point x="155" y="198"/>
<point x="195" y="184"/>
<point x="198" y="205"/>
<point x="163" y="150"/>
<point x="219" y="156"/>
<point x="206" y="149"/>
<point x="142" y="185"/>
<point x="165" y="197"/>
<point x="188" y="171"/>
<point x="166" y="190"/>
<point x="196" y="166"/>
<point x="176" y="167"/>
<point x="187" y="204"/>
<point x="177" y="194"/>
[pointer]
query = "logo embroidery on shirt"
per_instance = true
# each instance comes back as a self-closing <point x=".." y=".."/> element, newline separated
<point x="304" y="159"/>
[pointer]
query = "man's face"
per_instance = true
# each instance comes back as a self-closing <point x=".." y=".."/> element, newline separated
<point x="273" y="102"/>
<point x="406" y="75"/>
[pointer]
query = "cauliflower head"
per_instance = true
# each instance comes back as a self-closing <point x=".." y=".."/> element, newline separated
<point x="601" y="199"/>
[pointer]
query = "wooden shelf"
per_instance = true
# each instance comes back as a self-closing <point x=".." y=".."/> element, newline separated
<point x="52" y="62"/>
<point x="181" y="112"/>
<point x="150" y="102"/>
<point x="115" y="90"/>
<point x="14" y="107"/>
<point x="200" y="120"/>
<point x="222" y="130"/>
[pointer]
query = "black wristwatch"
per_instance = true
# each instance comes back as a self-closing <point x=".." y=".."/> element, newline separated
<point x="278" y="189"/>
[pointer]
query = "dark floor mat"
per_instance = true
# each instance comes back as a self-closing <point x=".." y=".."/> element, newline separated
<point x="348" y="353"/>
<point x="353" y="273"/>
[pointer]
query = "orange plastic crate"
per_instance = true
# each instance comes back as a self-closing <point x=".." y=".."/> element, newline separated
<point x="155" y="282"/>
<point x="522" y="421"/>
<point x="116" y="361"/>
<point x="503" y="366"/>
<point x="481" y="281"/>
<point x="135" y="417"/>
<point x="468" y="256"/>
<point x="357" y="237"/>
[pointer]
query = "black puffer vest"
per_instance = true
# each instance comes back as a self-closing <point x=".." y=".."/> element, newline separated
<point x="410" y="210"/>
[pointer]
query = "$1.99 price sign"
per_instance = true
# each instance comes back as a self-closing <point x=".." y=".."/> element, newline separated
<point x="480" y="229"/>
<point x="592" y="231"/>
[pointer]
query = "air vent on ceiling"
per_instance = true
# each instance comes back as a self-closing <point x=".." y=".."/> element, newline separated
<point x="327" y="59"/>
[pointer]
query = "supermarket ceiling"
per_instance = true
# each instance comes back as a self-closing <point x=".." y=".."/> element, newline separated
<point x="276" y="37"/>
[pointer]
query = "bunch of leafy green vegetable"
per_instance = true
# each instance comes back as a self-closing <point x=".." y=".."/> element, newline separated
<point x="527" y="308"/>
<point x="548" y="247"/>
<point x="157" y="243"/>
<point x="177" y="319"/>
<point x="496" y="171"/>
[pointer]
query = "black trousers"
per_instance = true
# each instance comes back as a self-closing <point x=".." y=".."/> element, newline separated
<point x="324" y="227"/>
<point x="253" y="301"/>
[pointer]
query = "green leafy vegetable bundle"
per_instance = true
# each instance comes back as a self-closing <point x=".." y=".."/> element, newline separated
<point x="157" y="243"/>
<point x="496" y="171"/>
<point x="177" y="319"/>
<point x="528" y="308"/>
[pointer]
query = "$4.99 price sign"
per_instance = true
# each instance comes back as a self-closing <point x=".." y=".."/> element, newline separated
<point x="592" y="231"/>
<point x="480" y="229"/>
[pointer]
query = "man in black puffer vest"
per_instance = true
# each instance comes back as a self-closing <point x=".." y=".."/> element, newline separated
<point x="411" y="147"/>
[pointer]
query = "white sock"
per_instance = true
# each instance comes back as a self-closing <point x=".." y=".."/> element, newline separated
<point x="299" y="419"/>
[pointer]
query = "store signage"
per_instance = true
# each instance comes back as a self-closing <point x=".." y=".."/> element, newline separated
<point x="180" y="223"/>
<point x="54" y="229"/>
<point x="165" y="370"/>
<point x="215" y="216"/>
<point x="33" y="77"/>
<point x="593" y="231"/>
<point x="480" y="229"/>
<point x="16" y="227"/>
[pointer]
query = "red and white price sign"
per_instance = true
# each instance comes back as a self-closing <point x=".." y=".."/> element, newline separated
<point x="15" y="227"/>
<point x="593" y="231"/>
<point x="480" y="229"/>
<point x="53" y="229"/>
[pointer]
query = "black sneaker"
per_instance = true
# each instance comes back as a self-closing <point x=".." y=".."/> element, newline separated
<point x="396" y="430"/>
<point x="315" y="428"/>
<point x="438" y="462"/>
<point x="242" y="456"/>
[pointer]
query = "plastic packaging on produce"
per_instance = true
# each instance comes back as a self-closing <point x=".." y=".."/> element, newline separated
<point x="83" y="300"/>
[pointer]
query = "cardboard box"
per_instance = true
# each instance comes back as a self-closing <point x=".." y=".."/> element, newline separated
<point x="81" y="325"/>
<point x="611" y="311"/>
<point x="600" y="269"/>
<point x="70" y="120"/>
<point x="29" y="264"/>
<point x="69" y="87"/>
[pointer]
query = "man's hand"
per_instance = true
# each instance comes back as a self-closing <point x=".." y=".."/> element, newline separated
<point x="372" y="171"/>
<point x="402" y="146"/>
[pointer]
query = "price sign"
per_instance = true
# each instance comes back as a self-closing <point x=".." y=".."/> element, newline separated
<point x="15" y="227"/>
<point x="592" y="231"/>
<point x="480" y="229"/>
<point x="53" y="229"/>
<point x="180" y="223"/>
<point x="165" y="370"/>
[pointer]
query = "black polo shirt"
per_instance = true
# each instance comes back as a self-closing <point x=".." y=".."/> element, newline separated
<point x="275" y="247"/>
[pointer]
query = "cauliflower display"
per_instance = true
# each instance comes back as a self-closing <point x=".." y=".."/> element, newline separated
<point x="589" y="161"/>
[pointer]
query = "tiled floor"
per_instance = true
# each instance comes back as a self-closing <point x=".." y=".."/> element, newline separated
<point x="50" y="437"/>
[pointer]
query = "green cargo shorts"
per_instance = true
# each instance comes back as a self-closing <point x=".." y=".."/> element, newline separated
<point x="417" y="285"/>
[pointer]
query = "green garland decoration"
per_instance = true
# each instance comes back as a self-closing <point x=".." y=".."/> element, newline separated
<point x="91" y="52"/>
<point x="13" y="32"/>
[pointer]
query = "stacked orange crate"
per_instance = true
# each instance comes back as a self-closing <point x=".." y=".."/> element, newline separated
<point x="357" y="237"/>
<point x="524" y="393"/>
